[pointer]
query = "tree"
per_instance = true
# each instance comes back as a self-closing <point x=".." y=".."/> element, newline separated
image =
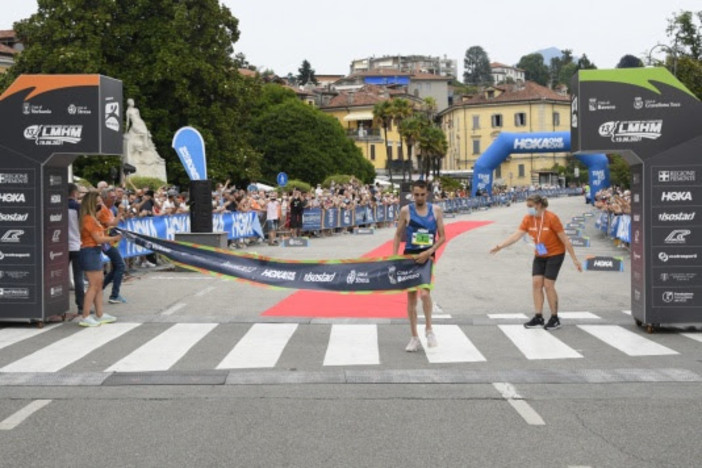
<point x="630" y="61"/>
<point x="410" y="130"/>
<point x="383" y="117"/>
<point x="175" y="61"/>
<point x="306" y="74"/>
<point x="534" y="68"/>
<point x="401" y="109"/>
<point x="619" y="171"/>
<point x="584" y="63"/>
<point x="476" y="67"/>
<point x="686" y="35"/>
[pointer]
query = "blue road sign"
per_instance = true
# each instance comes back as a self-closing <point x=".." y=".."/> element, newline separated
<point x="282" y="179"/>
<point x="252" y="188"/>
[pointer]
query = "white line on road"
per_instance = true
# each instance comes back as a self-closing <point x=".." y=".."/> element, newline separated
<point x="351" y="345"/>
<point x="435" y="316"/>
<point x="10" y="336"/>
<point x="507" y="316"/>
<point x="538" y="344"/>
<point x="578" y="315"/>
<point x="16" y="419"/>
<point x="454" y="346"/>
<point x="523" y="408"/>
<point x="205" y="291"/>
<point x="260" y="347"/>
<point x="694" y="336"/>
<point x="174" y="308"/>
<point x="625" y="341"/>
<point x="185" y="277"/>
<point x="160" y="353"/>
<point x="627" y="312"/>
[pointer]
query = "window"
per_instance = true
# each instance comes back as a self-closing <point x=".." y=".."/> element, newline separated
<point x="389" y="151"/>
<point x="372" y="152"/>
<point x="497" y="120"/>
<point x="476" y="146"/>
<point x="476" y="122"/>
<point x="521" y="170"/>
<point x="520" y="119"/>
<point x="400" y="151"/>
<point x="556" y="119"/>
<point x="498" y="172"/>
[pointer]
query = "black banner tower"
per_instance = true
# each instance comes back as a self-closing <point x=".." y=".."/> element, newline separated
<point x="47" y="121"/>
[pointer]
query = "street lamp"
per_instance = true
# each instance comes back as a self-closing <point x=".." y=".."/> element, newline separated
<point x="671" y="50"/>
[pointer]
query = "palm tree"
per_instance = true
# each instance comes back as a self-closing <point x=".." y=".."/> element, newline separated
<point x="401" y="110"/>
<point x="433" y="144"/>
<point x="383" y="117"/>
<point x="411" y="129"/>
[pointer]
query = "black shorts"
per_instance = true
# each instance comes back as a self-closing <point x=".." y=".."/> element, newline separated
<point x="417" y="252"/>
<point x="295" y="220"/>
<point x="548" y="267"/>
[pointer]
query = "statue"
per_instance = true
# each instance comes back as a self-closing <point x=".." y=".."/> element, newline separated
<point x="139" y="149"/>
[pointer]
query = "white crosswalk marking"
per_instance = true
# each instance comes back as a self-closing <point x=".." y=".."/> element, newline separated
<point x="68" y="350"/>
<point x="578" y="315"/>
<point x="694" y="336"/>
<point x="625" y="341"/>
<point x="507" y="316"/>
<point x="454" y="346"/>
<point x="538" y="343"/>
<point x="260" y="347"/>
<point x="10" y="336"/>
<point x="352" y="345"/>
<point x="163" y="351"/>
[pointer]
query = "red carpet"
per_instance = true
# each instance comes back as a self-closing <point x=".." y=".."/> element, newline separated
<point x="336" y="305"/>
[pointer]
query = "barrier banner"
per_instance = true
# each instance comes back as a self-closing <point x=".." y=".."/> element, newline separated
<point x="380" y="213"/>
<point x="392" y="212"/>
<point x="389" y="274"/>
<point x="312" y="219"/>
<point x="346" y="218"/>
<point x="331" y="218"/>
<point x="604" y="264"/>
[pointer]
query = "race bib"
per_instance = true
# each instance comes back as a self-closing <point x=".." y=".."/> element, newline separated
<point x="422" y="238"/>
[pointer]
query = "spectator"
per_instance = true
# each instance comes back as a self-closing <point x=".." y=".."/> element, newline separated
<point x="272" y="218"/>
<point x="108" y="217"/>
<point x="74" y="244"/>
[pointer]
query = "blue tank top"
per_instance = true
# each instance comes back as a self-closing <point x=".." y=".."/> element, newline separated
<point x="420" y="232"/>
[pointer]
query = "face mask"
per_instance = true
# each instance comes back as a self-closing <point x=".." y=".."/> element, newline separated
<point x="531" y="211"/>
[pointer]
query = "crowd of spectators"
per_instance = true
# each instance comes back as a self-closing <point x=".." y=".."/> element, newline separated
<point x="614" y="200"/>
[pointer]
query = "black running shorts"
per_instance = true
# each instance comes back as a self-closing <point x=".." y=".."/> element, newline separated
<point x="548" y="267"/>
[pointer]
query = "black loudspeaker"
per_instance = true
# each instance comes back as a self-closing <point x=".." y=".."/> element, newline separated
<point x="200" y="206"/>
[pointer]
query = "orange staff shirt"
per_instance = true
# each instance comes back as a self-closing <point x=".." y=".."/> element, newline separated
<point x="549" y="226"/>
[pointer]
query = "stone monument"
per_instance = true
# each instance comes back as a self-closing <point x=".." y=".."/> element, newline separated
<point x="139" y="149"/>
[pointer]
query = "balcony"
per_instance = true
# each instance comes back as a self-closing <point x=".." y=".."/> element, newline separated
<point x="364" y="134"/>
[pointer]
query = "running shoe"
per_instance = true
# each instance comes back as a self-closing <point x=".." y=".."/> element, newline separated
<point x="107" y="318"/>
<point x="431" y="339"/>
<point x="413" y="345"/>
<point x="537" y="321"/>
<point x="89" y="321"/>
<point x="117" y="300"/>
<point x="553" y="323"/>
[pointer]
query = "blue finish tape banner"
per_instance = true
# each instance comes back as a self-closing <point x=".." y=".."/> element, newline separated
<point x="190" y="146"/>
<point x="388" y="274"/>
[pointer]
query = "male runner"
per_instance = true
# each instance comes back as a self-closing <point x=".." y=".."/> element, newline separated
<point x="422" y="223"/>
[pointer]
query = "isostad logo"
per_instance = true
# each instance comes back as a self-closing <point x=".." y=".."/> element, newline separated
<point x="677" y="217"/>
<point x="676" y="196"/>
<point x="14" y="217"/>
<point x="539" y="143"/>
<point x="632" y="130"/>
<point x="54" y="135"/>
<point x="678" y="236"/>
<point x="12" y="198"/>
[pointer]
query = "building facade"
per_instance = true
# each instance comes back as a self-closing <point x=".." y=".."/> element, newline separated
<point x="472" y="124"/>
<point x="502" y="73"/>
<point x="9" y="48"/>
<point x="441" y="66"/>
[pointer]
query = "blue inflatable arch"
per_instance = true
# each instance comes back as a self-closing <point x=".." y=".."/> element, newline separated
<point x="550" y="142"/>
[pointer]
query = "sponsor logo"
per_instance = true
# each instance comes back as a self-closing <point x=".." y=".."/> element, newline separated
<point x="14" y="293"/>
<point x="12" y="236"/>
<point x="637" y="295"/>
<point x="319" y="277"/>
<point x="56" y="291"/>
<point x="391" y="274"/>
<point x="593" y="104"/>
<point x="55" y="199"/>
<point x="355" y="277"/>
<point x="78" y="110"/>
<point x="14" y="178"/>
<point x="55" y="218"/>
<point x="637" y="256"/>
<point x="640" y="103"/>
<point x="14" y="275"/>
<point x="637" y="235"/>
<point x="28" y="109"/>
<point x="239" y="268"/>
<point x="672" y="297"/>
<point x="54" y="274"/>
<point x="279" y="274"/>
<point x="636" y="178"/>
<point x="574" y="111"/>
<point x="680" y="277"/>
<point x="637" y="198"/>
<point x="54" y="135"/>
<point x="603" y="264"/>
<point x="631" y="130"/>
<point x="664" y="257"/>
<point x="676" y="196"/>
<point x="55" y="180"/>
<point x="678" y="236"/>
<point x="112" y="117"/>
<point x="677" y="176"/>
<point x="677" y="217"/>
<point x="401" y="276"/>
<point x="637" y="218"/>
<point x="14" y="217"/>
<point x="538" y="143"/>
<point x="56" y="237"/>
<point x="53" y="255"/>
<point x="13" y="198"/>
<point x="351" y="277"/>
<point x="4" y="255"/>
<point x="188" y="159"/>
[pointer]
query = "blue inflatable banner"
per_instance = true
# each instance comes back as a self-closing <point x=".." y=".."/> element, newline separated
<point x="190" y="147"/>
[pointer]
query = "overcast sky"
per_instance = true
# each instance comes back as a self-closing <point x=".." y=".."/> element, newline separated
<point x="279" y="34"/>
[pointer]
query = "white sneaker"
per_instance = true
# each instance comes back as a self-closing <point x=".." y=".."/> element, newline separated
<point x="106" y="318"/>
<point x="147" y="264"/>
<point x="413" y="345"/>
<point x="89" y="321"/>
<point x="431" y="339"/>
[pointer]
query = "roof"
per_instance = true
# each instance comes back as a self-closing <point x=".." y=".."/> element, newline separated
<point x="502" y="65"/>
<point x="7" y="34"/>
<point x="529" y="91"/>
<point x="247" y="72"/>
<point x="4" y="50"/>
<point x="366" y="96"/>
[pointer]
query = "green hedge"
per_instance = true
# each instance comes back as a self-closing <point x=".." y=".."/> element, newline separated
<point x="140" y="182"/>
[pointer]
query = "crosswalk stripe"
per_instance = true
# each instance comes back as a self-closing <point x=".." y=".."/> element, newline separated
<point x="507" y="316"/>
<point x="68" y="350"/>
<point x="538" y="344"/>
<point x="352" y="345"/>
<point x="579" y="315"/>
<point x="626" y="341"/>
<point x="454" y="346"/>
<point x="164" y="350"/>
<point x="694" y="336"/>
<point x="10" y="336"/>
<point x="260" y="347"/>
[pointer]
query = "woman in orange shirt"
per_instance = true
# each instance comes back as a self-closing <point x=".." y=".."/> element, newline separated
<point x="92" y="237"/>
<point x="551" y="244"/>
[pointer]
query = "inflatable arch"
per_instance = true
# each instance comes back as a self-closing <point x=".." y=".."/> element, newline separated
<point x="549" y="142"/>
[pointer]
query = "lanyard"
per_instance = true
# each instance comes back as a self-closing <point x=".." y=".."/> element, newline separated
<point x="538" y="236"/>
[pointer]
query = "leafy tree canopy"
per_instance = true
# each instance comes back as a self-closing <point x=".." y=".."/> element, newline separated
<point x="476" y="67"/>
<point x="630" y="61"/>
<point x="534" y="68"/>
<point x="305" y="74"/>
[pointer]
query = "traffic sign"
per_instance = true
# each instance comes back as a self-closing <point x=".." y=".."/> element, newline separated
<point x="282" y="179"/>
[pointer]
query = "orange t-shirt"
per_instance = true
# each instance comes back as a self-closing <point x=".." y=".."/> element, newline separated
<point x="89" y="226"/>
<point x="550" y="226"/>
<point x="105" y="216"/>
